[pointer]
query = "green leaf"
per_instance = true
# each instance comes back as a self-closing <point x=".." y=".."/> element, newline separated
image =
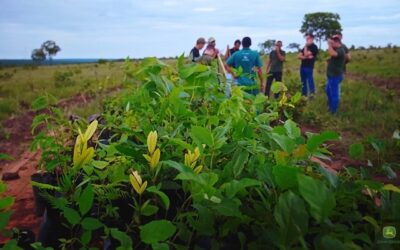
<point x="40" y="102"/>
<point x="356" y="151"/>
<point x="86" y="237"/>
<point x="285" y="143"/>
<point x="320" y="199"/>
<point x="285" y="177"/>
<point x="6" y="202"/>
<point x="11" y="245"/>
<point x="160" y="246"/>
<point x="72" y="216"/>
<point x="85" y="201"/>
<point x="202" y="136"/>
<point x="123" y="238"/>
<point x="291" y="215"/>
<point x="6" y="157"/>
<point x="4" y="219"/>
<point x="156" y="231"/>
<point x="233" y="187"/>
<point x="149" y="210"/>
<point x="315" y="141"/>
<point x="161" y="194"/>
<point x="91" y="224"/>
<point x="328" y="242"/>
<point x="100" y="164"/>
<point x="228" y="207"/>
<point x="293" y="131"/>
<point x="278" y="87"/>
<point x="240" y="159"/>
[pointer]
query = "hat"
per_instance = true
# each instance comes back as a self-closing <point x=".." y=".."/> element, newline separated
<point x="337" y="36"/>
<point x="211" y="39"/>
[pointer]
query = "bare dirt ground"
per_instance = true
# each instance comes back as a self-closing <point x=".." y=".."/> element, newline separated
<point x="25" y="163"/>
<point x="386" y="83"/>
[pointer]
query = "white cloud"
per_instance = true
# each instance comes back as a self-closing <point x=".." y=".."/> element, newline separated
<point x="386" y="18"/>
<point x="205" y="9"/>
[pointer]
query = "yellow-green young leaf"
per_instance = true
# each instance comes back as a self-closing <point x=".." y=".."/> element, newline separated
<point x="77" y="151"/>
<point x="391" y="187"/>
<point x="86" y="156"/>
<point x="90" y="130"/>
<point x="147" y="157"/>
<point x="134" y="183"/>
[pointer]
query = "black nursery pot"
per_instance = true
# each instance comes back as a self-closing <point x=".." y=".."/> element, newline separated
<point x="40" y="202"/>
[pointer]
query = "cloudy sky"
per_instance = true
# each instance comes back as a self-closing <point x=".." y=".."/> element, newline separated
<point x="140" y="28"/>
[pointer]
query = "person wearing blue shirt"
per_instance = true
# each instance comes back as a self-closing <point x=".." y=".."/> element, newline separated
<point x="250" y="61"/>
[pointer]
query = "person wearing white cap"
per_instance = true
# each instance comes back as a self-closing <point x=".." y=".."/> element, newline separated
<point x="211" y="52"/>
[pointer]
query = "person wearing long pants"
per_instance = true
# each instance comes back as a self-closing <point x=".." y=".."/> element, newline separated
<point x="335" y="72"/>
<point x="307" y="56"/>
<point x="307" y="80"/>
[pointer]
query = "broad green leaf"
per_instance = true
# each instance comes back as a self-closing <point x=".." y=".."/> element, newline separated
<point x="149" y="210"/>
<point x="11" y="245"/>
<point x="329" y="242"/>
<point x="157" y="231"/>
<point x="85" y="201"/>
<point x="100" y="164"/>
<point x="6" y="202"/>
<point x="293" y="131"/>
<point x="315" y="141"/>
<point x="240" y="159"/>
<point x="285" y="143"/>
<point x="91" y="223"/>
<point x="356" y="151"/>
<point x="278" y="87"/>
<point x="4" y="218"/>
<point x="228" y="207"/>
<point x="159" y="246"/>
<point x="320" y="199"/>
<point x="86" y="237"/>
<point x="202" y="136"/>
<point x="331" y="177"/>
<point x="72" y="216"/>
<point x="161" y="194"/>
<point x="285" y="177"/>
<point x="123" y="238"/>
<point x="291" y="215"/>
<point x="233" y="187"/>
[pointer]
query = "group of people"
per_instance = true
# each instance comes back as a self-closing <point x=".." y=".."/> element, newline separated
<point x="246" y="64"/>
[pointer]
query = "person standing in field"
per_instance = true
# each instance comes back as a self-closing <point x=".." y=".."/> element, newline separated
<point x="211" y="52"/>
<point x="250" y="61"/>
<point x="308" y="56"/>
<point x="275" y="66"/>
<point x="339" y="35"/>
<point x="194" y="55"/>
<point x="335" y="72"/>
<point x="230" y="52"/>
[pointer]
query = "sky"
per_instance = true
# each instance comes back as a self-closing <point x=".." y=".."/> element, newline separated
<point x="117" y="29"/>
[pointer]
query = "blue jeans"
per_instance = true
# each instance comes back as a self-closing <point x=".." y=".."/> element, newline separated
<point x="333" y="92"/>
<point x="307" y="79"/>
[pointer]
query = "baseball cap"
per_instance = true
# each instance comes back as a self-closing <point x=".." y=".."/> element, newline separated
<point x="211" y="39"/>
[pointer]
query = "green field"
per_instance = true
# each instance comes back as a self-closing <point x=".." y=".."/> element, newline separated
<point x="172" y="163"/>
<point x="365" y="109"/>
<point x="19" y="86"/>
